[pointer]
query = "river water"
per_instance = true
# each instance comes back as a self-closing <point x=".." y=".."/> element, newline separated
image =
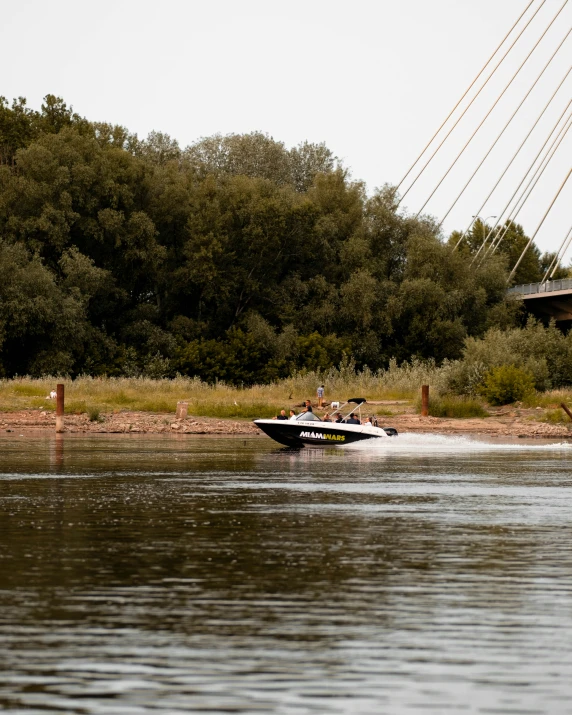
<point x="165" y="575"/>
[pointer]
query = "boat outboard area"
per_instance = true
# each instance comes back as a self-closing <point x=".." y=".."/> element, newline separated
<point x="307" y="429"/>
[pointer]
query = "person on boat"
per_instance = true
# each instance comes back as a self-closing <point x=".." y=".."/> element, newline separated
<point x="339" y="418"/>
<point x="327" y="417"/>
<point x="281" y="416"/>
<point x="308" y="407"/>
<point x="353" y="420"/>
<point x="320" y="395"/>
<point x="293" y="415"/>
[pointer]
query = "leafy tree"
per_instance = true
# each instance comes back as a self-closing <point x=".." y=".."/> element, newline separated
<point x="236" y="258"/>
<point x="259" y="156"/>
<point x="513" y="241"/>
<point x="158" y="148"/>
<point x="18" y="126"/>
<point x="42" y="326"/>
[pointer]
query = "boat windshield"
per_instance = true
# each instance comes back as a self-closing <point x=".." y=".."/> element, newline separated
<point x="307" y="417"/>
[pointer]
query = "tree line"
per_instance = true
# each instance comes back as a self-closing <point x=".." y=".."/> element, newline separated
<point x="234" y="259"/>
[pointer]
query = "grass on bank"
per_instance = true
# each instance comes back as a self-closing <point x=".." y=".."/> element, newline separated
<point x="555" y="417"/>
<point x="97" y="396"/>
<point x="548" y="400"/>
<point x="85" y="394"/>
<point x="454" y="407"/>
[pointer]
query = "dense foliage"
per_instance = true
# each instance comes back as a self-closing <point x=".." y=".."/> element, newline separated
<point x="235" y="258"/>
<point x="507" y="383"/>
<point x="542" y="351"/>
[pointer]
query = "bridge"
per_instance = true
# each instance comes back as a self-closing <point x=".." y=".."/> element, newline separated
<point x="551" y="299"/>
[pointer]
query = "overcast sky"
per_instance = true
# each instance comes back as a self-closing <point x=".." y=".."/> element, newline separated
<point x="372" y="79"/>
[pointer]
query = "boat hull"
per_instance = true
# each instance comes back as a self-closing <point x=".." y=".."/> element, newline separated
<point x="319" y="434"/>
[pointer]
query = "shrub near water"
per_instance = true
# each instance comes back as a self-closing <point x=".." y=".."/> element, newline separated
<point x="507" y="383"/>
<point x="94" y="414"/>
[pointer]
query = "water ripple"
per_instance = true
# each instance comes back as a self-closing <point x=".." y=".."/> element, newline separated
<point x="169" y="576"/>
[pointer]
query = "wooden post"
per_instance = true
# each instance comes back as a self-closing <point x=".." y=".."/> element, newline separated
<point x="566" y="410"/>
<point x="59" y="408"/>
<point x="59" y="450"/>
<point x="182" y="410"/>
<point x="424" y="400"/>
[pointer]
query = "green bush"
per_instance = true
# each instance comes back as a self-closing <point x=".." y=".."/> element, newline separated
<point x="545" y="352"/>
<point x="507" y="383"/>
<point x="94" y="414"/>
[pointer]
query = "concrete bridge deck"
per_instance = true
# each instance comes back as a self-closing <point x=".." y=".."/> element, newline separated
<point x="552" y="299"/>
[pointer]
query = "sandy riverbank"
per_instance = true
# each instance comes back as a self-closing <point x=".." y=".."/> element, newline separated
<point x="26" y="421"/>
<point x="510" y="424"/>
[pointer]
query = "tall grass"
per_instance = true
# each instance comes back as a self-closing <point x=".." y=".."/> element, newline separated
<point x="100" y="395"/>
<point x="85" y="394"/>
<point x="455" y="407"/>
<point x="550" y="399"/>
<point x="555" y="417"/>
<point x="397" y="382"/>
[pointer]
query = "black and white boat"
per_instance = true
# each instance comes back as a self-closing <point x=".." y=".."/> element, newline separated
<point x="308" y="429"/>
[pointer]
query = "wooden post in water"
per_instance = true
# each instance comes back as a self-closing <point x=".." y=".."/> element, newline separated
<point x="424" y="400"/>
<point x="182" y="410"/>
<point x="59" y="408"/>
<point x="59" y="450"/>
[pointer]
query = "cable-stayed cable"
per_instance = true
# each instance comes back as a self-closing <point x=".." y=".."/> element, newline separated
<point x="506" y="126"/>
<point x="491" y="109"/>
<point x="526" y="174"/>
<point x="556" y="260"/>
<point x="531" y="239"/>
<point x="468" y="106"/>
<point x="517" y="208"/>
<point x="528" y="191"/>
<point x="517" y="152"/>
<point x="467" y="92"/>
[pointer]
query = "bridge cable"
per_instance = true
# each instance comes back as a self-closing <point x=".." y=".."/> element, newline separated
<point x="526" y="174"/>
<point x="466" y="92"/>
<point x="470" y="103"/>
<point x="526" y="96"/>
<point x="531" y="239"/>
<point x="501" y="233"/>
<point x="556" y="259"/>
<point x="491" y="109"/>
<point x="535" y="178"/>
<point x="501" y="177"/>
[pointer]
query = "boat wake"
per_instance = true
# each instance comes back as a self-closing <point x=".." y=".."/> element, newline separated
<point x="419" y="445"/>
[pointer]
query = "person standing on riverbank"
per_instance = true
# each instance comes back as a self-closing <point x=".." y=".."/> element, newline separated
<point x="320" y="395"/>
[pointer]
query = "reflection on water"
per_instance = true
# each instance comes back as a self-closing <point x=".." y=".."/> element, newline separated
<point x="168" y="575"/>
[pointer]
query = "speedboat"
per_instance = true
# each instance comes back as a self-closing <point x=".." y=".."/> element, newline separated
<point x="308" y="429"/>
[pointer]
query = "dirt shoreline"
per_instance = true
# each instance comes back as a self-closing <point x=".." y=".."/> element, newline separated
<point x="41" y="422"/>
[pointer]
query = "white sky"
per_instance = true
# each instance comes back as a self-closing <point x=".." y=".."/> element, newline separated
<point x="371" y="78"/>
